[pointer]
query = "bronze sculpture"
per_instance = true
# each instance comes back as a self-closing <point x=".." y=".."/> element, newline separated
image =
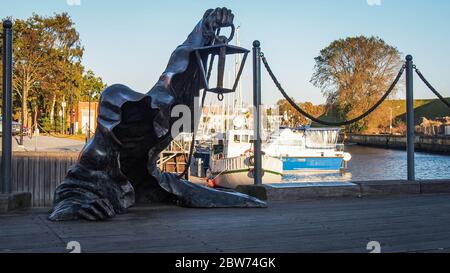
<point x="118" y="166"/>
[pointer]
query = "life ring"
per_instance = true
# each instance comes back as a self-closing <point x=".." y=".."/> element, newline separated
<point x="347" y="157"/>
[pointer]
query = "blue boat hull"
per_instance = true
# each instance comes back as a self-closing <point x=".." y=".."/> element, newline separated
<point x="292" y="164"/>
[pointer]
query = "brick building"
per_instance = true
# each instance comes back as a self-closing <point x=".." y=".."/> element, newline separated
<point x="81" y="117"/>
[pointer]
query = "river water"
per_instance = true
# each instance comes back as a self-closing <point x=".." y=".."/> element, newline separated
<point x="381" y="164"/>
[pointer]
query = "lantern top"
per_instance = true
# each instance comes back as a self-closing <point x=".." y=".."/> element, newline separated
<point x="215" y="49"/>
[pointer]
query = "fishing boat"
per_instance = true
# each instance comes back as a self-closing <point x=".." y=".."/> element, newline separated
<point x="232" y="161"/>
<point x="308" y="149"/>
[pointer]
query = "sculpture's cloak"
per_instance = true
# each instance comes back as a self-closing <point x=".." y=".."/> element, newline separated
<point x="118" y="166"/>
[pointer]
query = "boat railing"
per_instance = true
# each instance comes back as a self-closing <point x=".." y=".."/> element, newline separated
<point x="338" y="147"/>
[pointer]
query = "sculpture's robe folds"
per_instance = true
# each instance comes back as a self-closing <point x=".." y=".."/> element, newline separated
<point x="118" y="166"/>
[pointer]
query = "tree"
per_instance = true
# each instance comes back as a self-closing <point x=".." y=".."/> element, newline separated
<point x="30" y="59"/>
<point x="67" y="53"/>
<point x="354" y="73"/>
<point x="92" y="86"/>
<point x="48" y="69"/>
<point x="292" y="118"/>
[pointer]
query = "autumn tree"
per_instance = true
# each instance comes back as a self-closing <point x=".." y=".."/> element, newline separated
<point x="47" y="68"/>
<point x="354" y="73"/>
<point x="290" y="116"/>
<point x="65" y="55"/>
<point x="31" y="57"/>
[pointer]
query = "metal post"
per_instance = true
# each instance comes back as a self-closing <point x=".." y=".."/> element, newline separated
<point x="410" y="117"/>
<point x="257" y="172"/>
<point x="7" y="105"/>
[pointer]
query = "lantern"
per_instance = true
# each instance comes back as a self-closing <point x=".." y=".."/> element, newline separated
<point x="221" y="48"/>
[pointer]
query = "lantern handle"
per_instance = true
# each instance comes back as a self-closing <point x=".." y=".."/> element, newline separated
<point x="229" y="39"/>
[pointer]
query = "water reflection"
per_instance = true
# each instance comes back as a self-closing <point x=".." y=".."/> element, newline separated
<point x="381" y="164"/>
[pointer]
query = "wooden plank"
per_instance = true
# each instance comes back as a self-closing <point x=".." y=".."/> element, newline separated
<point x="41" y="181"/>
<point x="34" y="180"/>
<point x="25" y="175"/>
<point x="47" y="181"/>
<point x="31" y="177"/>
<point x="55" y="178"/>
<point x="59" y="178"/>
<point x="21" y="173"/>
<point x="15" y="182"/>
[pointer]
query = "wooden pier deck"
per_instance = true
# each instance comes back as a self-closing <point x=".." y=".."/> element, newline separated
<point x="410" y="223"/>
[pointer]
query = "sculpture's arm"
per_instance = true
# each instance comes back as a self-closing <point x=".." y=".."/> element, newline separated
<point x="181" y="81"/>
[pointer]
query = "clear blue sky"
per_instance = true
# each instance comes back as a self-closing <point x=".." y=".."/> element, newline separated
<point x="130" y="41"/>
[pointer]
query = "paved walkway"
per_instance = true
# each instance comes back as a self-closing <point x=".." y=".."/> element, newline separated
<point x="400" y="224"/>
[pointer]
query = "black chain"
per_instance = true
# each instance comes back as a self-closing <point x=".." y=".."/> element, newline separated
<point x="427" y="83"/>
<point x="327" y="123"/>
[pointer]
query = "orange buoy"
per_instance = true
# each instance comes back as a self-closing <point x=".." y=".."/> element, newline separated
<point x="211" y="183"/>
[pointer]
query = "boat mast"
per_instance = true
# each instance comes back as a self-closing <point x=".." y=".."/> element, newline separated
<point x="237" y="65"/>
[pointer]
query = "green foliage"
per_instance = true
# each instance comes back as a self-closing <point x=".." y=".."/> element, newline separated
<point x="92" y="86"/>
<point x="47" y="68"/>
<point x="46" y="125"/>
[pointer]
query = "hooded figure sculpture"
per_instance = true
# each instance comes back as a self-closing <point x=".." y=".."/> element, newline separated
<point x="118" y="166"/>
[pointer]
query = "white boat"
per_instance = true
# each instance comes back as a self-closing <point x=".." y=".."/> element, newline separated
<point x="308" y="150"/>
<point x="232" y="162"/>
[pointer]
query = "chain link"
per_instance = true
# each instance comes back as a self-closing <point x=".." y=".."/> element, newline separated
<point x="327" y="123"/>
<point x="427" y="83"/>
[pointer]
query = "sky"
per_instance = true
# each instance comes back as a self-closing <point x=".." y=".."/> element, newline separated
<point x="130" y="41"/>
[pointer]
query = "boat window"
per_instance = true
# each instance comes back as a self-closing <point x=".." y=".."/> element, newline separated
<point x="237" y="139"/>
<point x="245" y="138"/>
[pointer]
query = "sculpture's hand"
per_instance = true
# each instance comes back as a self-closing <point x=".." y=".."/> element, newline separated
<point x="100" y="209"/>
<point x="214" y="19"/>
<point x="71" y="209"/>
<point x="202" y="35"/>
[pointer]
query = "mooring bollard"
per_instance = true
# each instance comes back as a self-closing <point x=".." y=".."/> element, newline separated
<point x="257" y="171"/>
<point x="410" y="117"/>
<point x="7" y="55"/>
